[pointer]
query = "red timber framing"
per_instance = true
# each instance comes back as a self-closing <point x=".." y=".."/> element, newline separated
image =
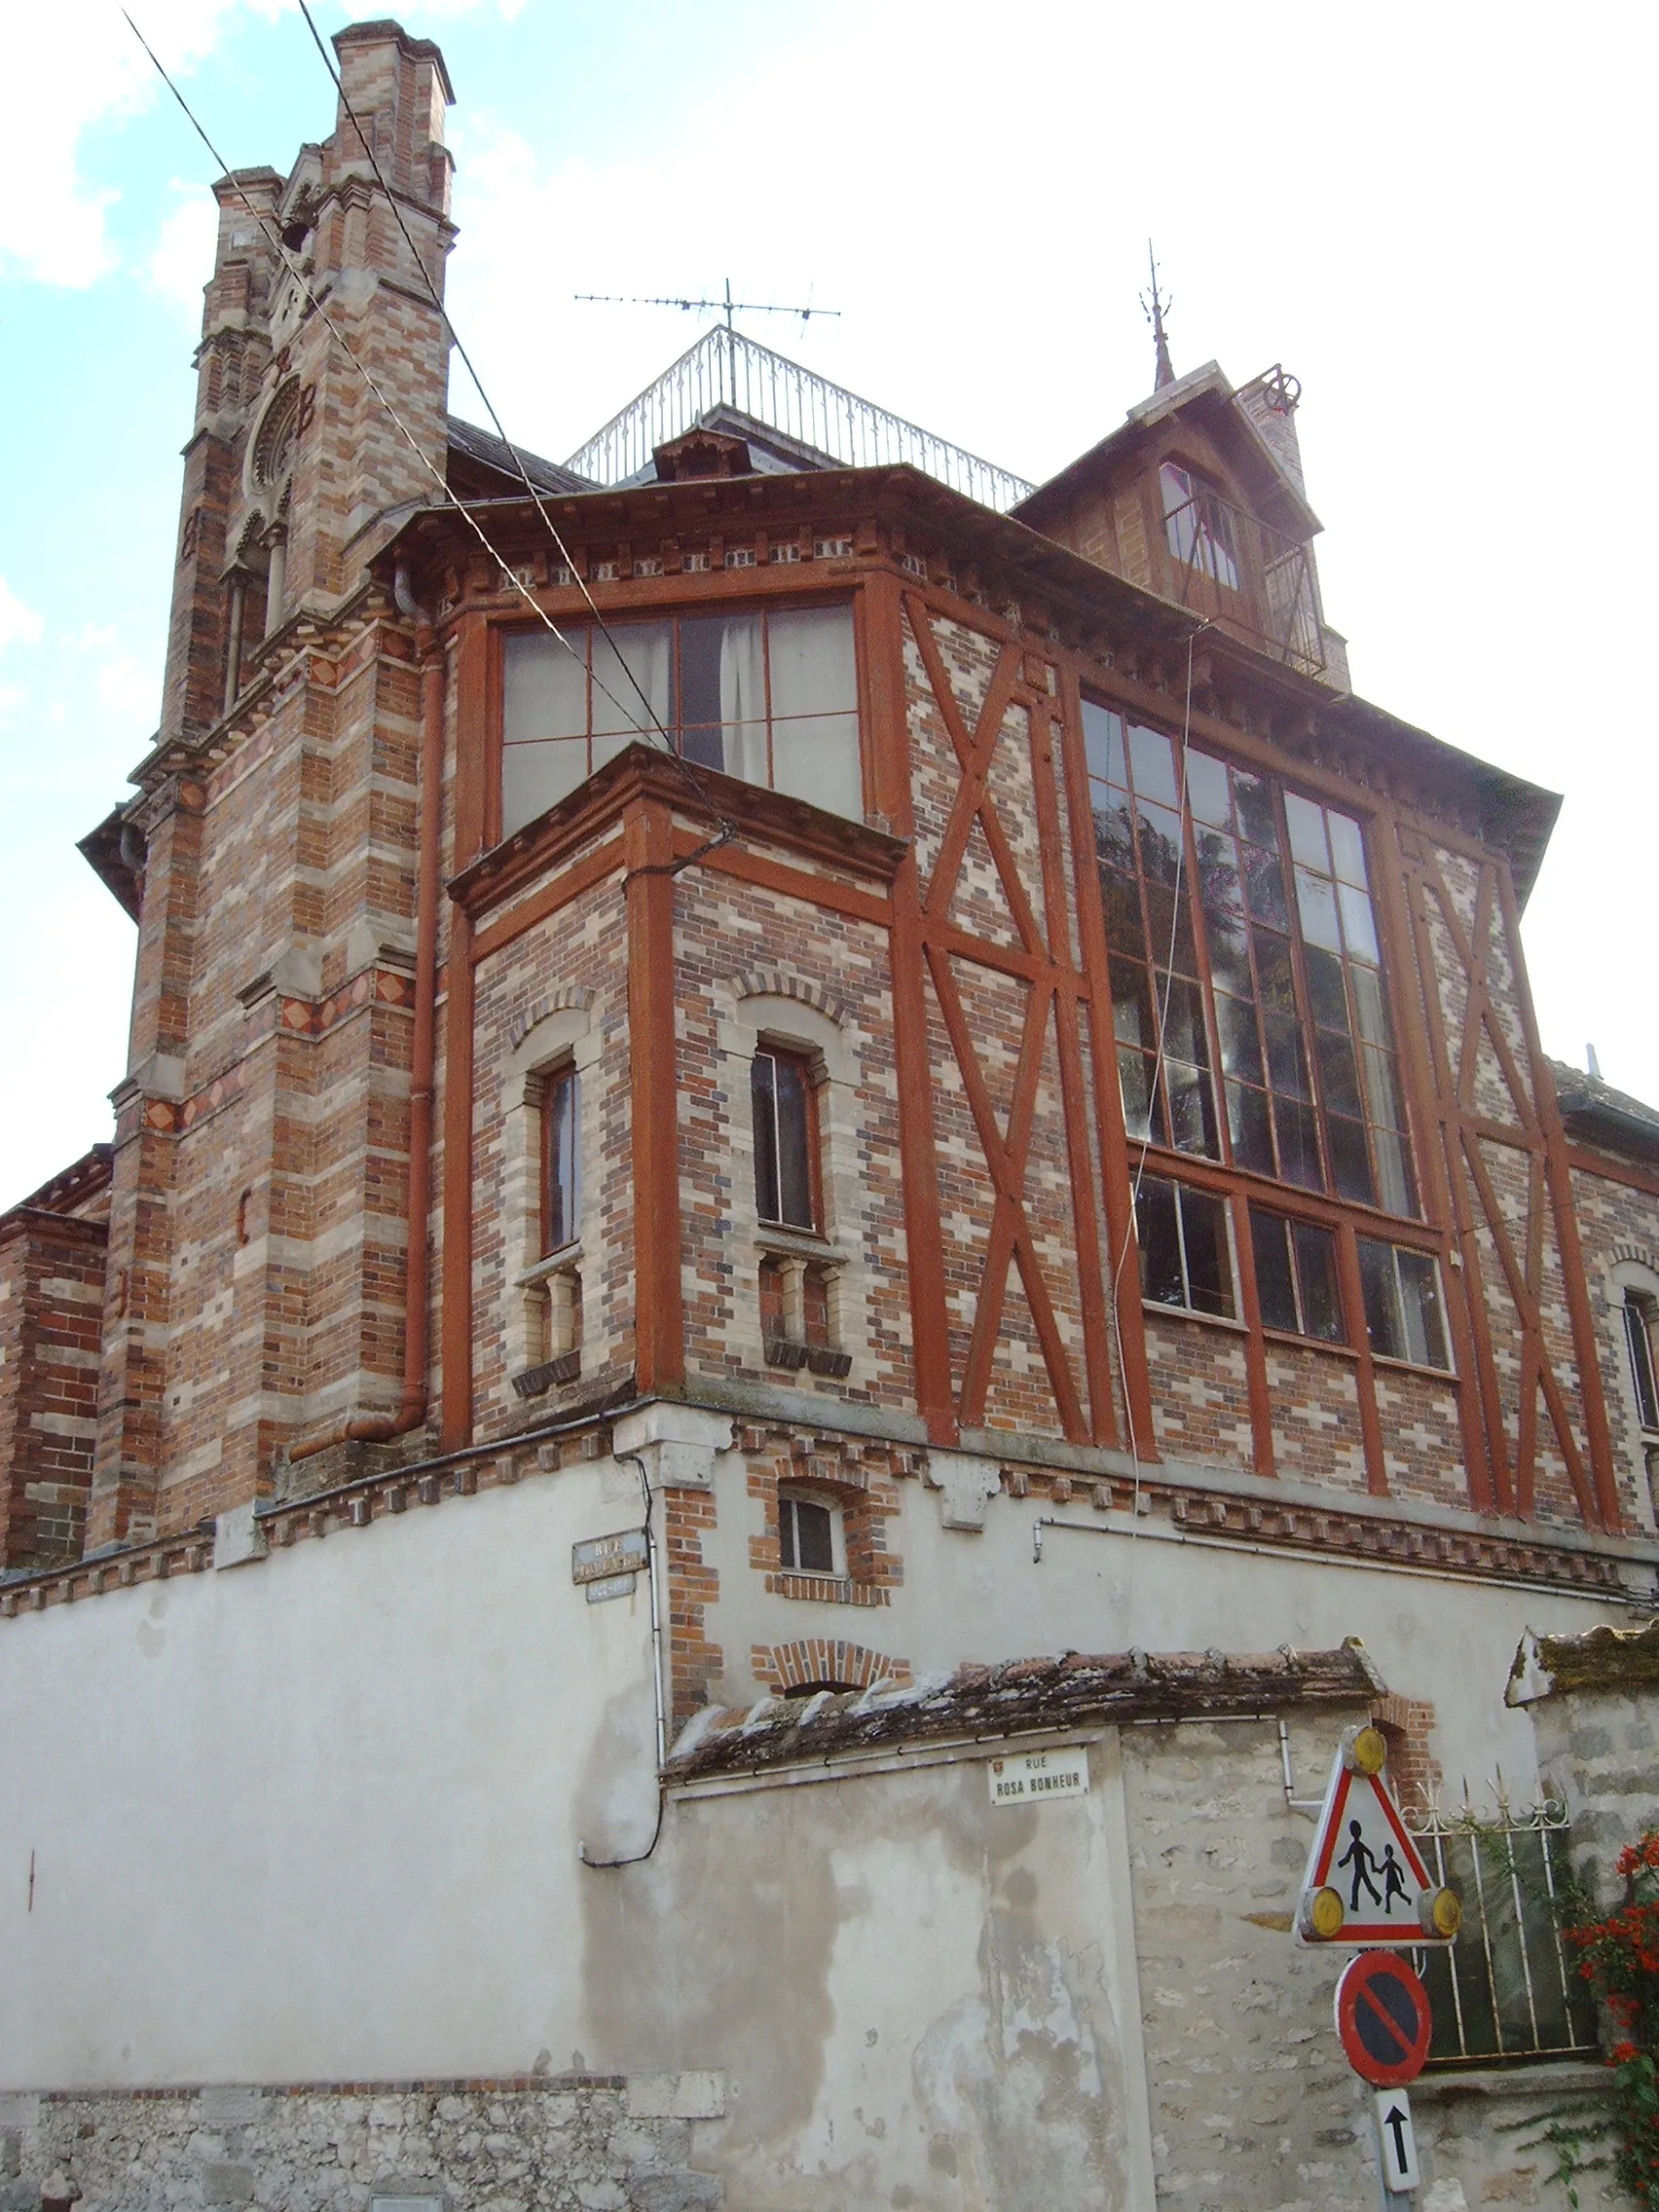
<point x="1066" y="1021"/>
<point x="1535" y="1138"/>
<point x="1056" y="988"/>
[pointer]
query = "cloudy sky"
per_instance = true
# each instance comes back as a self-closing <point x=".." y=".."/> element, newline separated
<point x="1438" y="218"/>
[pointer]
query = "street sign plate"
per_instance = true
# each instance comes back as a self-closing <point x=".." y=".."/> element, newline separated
<point x="1032" y="1778"/>
<point x="1397" y="2141"/>
<point x="601" y="1556"/>
<point x="1383" y="2019"/>
<point x="1363" y="1851"/>
<point x="610" y="1585"/>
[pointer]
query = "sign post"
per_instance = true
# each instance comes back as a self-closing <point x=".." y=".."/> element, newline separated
<point x="1366" y="1886"/>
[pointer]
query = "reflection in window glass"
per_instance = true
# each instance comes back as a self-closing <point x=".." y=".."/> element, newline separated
<point x="781" y="1097"/>
<point x="1639" y="1347"/>
<point x="768" y="697"/>
<point x="561" y="1160"/>
<point x="1403" y="1317"/>
<point x="806" y="1536"/>
<point x="1292" y="1014"/>
<point x="1199" y="526"/>
<point x="1185" y="1255"/>
<point x="1296" y="1276"/>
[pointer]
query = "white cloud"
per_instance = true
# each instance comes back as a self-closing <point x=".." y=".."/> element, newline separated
<point x="54" y="232"/>
<point x="181" y="260"/>
<point x="19" y="625"/>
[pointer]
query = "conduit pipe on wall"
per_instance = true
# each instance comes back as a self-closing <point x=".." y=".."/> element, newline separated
<point x="412" y="1412"/>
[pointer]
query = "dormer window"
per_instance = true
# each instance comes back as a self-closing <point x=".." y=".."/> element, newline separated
<point x="1198" y="528"/>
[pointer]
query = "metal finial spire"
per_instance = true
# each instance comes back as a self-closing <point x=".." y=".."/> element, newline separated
<point x="1155" y="310"/>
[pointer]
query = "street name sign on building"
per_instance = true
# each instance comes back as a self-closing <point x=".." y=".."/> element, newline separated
<point x="599" y="1558"/>
<point x="1396" y="2142"/>
<point x="1028" y="1778"/>
<point x="1366" y="1881"/>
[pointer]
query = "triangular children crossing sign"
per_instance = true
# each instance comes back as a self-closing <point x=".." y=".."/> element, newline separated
<point x="1366" y="1881"/>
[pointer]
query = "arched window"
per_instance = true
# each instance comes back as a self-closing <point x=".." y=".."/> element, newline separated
<point x="561" y="1159"/>
<point x="1637" y="1311"/>
<point x="788" y="1178"/>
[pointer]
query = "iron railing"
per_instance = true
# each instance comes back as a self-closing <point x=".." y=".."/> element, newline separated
<point x="1234" y="568"/>
<point x="1507" y="1989"/>
<point x="727" y="369"/>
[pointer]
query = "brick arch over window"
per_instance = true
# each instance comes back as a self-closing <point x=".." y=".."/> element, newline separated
<point x="776" y="983"/>
<point x="824" y="1659"/>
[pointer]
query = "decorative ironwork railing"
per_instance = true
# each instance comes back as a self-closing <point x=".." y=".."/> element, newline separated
<point x="1234" y="566"/>
<point x="724" y="368"/>
<point x="1507" y="1988"/>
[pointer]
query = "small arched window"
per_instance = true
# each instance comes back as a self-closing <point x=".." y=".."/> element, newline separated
<point x="787" y="1186"/>
<point x="561" y="1160"/>
<point x="1639" y="1347"/>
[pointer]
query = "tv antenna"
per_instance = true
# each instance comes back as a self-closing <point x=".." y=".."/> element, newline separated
<point x="728" y="307"/>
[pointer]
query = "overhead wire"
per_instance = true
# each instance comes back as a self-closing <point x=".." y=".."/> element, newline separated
<point x="437" y="300"/>
<point x="290" y="263"/>
<point x="1183" y="811"/>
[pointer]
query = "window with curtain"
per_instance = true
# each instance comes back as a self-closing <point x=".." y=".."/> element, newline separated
<point x="1241" y="931"/>
<point x="769" y="696"/>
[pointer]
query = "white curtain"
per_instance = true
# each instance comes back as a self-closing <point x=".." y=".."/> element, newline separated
<point x="743" y="699"/>
<point x="647" y="657"/>
<point x="544" y="726"/>
<point x="815" y="723"/>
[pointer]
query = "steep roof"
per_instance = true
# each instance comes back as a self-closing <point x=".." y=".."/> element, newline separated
<point x="1207" y="396"/>
<point x="1020" y="1697"/>
<point x="494" y="452"/>
<point x="1596" y="1109"/>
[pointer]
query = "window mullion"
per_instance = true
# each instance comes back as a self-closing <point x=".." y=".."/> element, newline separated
<point x="1192" y="886"/>
<point x="1298" y="975"/>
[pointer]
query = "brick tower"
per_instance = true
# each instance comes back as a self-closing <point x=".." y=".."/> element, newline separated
<point x="250" y="1256"/>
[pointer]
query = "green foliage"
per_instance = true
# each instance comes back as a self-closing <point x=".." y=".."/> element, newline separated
<point x="1619" y="1956"/>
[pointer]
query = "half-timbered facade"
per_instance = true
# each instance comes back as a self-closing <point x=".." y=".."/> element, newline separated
<point x="902" y="1030"/>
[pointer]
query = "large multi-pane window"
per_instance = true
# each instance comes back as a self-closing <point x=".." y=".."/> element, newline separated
<point x="1241" y="934"/>
<point x="769" y="696"/>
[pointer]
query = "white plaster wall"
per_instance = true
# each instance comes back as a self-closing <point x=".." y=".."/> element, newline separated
<point x="318" y="1818"/>
<point x="920" y="1998"/>
<point x="1120" y="1585"/>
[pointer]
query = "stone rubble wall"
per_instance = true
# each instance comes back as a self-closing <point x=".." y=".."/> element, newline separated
<point x="561" y="2143"/>
<point x="1253" y="2107"/>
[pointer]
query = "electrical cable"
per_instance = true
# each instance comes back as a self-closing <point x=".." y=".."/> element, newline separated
<point x="638" y="1858"/>
<point x="1183" y="812"/>
<point x="288" y="262"/>
<point x="727" y="828"/>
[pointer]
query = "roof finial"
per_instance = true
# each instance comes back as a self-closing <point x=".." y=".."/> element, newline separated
<point x="1155" y="310"/>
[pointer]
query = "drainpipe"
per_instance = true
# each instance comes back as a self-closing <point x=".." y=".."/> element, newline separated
<point x="413" y="1410"/>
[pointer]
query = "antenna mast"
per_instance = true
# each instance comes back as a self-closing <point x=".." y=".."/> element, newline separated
<point x="1155" y="310"/>
<point x="728" y="307"/>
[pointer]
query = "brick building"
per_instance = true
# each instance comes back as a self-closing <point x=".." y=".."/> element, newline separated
<point x="902" y="1029"/>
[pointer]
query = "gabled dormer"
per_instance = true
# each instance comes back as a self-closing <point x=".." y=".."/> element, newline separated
<point x="1198" y="497"/>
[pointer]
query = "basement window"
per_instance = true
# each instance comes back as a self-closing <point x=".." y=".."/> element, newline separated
<point x="1186" y="1254"/>
<point x="769" y="696"/>
<point x="810" y="1538"/>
